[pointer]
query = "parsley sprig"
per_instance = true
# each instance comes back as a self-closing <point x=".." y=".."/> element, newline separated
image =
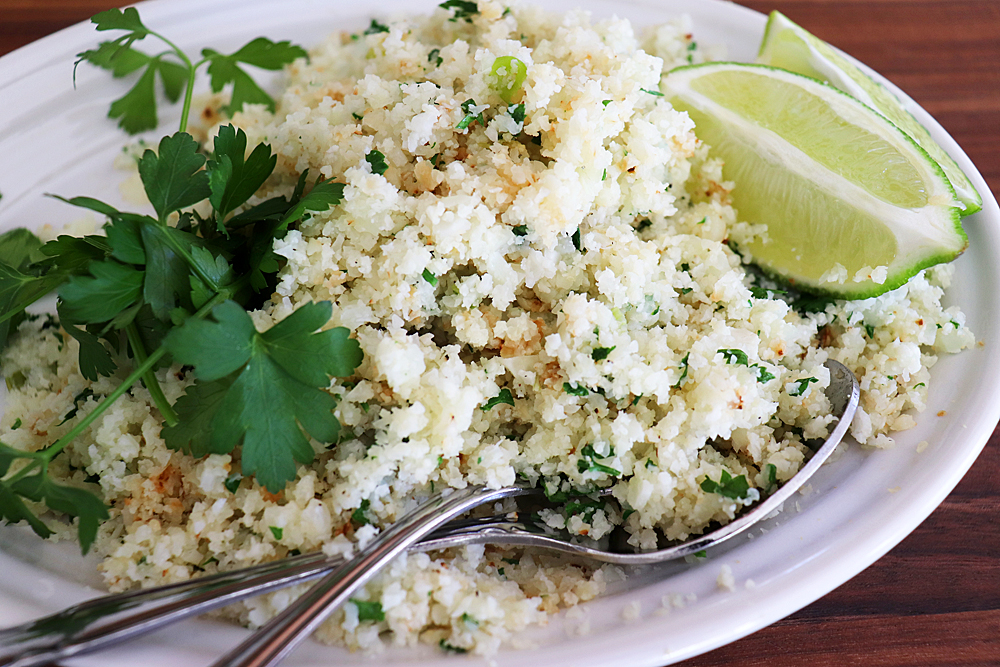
<point x="145" y="291"/>
<point x="136" y="110"/>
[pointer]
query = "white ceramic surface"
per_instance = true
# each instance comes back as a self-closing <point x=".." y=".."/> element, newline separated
<point x="54" y="138"/>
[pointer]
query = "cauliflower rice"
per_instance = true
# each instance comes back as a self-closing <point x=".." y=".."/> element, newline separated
<point x="579" y="257"/>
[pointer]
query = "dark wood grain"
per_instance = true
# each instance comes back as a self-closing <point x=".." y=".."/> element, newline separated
<point x="934" y="600"/>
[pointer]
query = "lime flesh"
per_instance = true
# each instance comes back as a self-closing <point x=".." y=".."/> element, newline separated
<point x="791" y="47"/>
<point x="835" y="182"/>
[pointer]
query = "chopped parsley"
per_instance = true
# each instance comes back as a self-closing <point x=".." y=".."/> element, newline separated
<point x="470" y="117"/>
<point x="277" y="532"/>
<point x="232" y="482"/>
<point x="516" y="112"/>
<point x="464" y="9"/>
<point x="601" y="353"/>
<point x="368" y="610"/>
<point x="727" y="486"/>
<point x="575" y="389"/>
<point x="735" y="356"/>
<point x="360" y="516"/>
<point x="375" y="28"/>
<point x="503" y="397"/>
<point x="576" y="239"/>
<point x="429" y="277"/>
<point x="684" y="372"/>
<point x="377" y="162"/>
<point x="772" y="475"/>
<point x="520" y="230"/>
<point x="16" y="425"/>
<point x="452" y="648"/>
<point x="589" y="462"/>
<point x="652" y="92"/>
<point x="435" y="57"/>
<point x="801" y="386"/>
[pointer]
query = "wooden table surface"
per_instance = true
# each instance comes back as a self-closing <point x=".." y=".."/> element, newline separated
<point x="935" y="599"/>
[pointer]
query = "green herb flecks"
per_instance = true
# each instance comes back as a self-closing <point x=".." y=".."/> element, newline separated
<point x="429" y="277"/>
<point x="601" y="353"/>
<point x="277" y="532"/>
<point x="375" y="28"/>
<point x="503" y="397"/>
<point x="727" y="486"/>
<point x="801" y="386"/>
<point x="368" y="610"/>
<point x="575" y="389"/>
<point x="684" y="370"/>
<point x="464" y="9"/>
<point x="360" y="516"/>
<point x="470" y="117"/>
<point x="377" y="162"/>
<point x="590" y="461"/>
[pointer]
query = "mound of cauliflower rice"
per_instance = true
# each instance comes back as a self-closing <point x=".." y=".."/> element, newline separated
<point x="565" y="245"/>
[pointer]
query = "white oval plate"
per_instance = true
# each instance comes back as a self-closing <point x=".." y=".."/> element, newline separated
<point x="57" y="139"/>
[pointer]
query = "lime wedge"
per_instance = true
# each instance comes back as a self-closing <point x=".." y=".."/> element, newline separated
<point x="791" y="47"/>
<point x="853" y="206"/>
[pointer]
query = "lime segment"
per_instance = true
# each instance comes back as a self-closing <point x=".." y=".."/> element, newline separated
<point x="789" y="46"/>
<point x="853" y="206"/>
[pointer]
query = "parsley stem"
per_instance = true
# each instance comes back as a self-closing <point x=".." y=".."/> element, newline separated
<point x="189" y="92"/>
<point x="133" y="377"/>
<point x="149" y="377"/>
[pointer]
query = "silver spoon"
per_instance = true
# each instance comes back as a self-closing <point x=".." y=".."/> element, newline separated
<point x="112" y="619"/>
<point x="269" y="645"/>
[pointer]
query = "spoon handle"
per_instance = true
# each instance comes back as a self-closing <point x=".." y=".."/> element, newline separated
<point x="283" y="633"/>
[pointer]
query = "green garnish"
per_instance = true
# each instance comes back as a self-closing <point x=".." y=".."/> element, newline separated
<point x="232" y="482"/>
<point x="772" y="475"/>
<point x="464" y="9"/>
<point x="516" y="112"/>
<point x="470" y="117"/>
<point x="277" y="532"/>
<point x="429" y="277"/>
<point x="375" y="28"/>
<point x="601" y="353"/>
<point x="503" y="397"/>
<point x="801" y="386"/>
<point x="470" y="620"/>
<point x="575" y="389"/>
<point x="16" y="425"/>
<point x="589" y="462"/>
<point x="520" y="230"/>
<point x="435" y="57"/>
<point x="445" y="645"/>
<point x="576" y="239"/>
<point x="701" y="554"/>
<point x="684" y="372"/>
<point x="360" y="516"/>
<point x="136" y="110"/>
<point x="377" y="162"/>
<point x="369" y="611"/>
<point x="508" y="75"/>
<point x="733" y="356"/>
<point x="263" y="389"/>
<point x="652" y="92"/>
<point x="727" y="486"/>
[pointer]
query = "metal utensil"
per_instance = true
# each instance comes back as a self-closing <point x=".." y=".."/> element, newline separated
<point x="112" y="619"/>
<point x="279" y="637"/>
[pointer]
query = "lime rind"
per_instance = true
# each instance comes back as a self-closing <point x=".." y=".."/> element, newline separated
<point x="806" y="54"/>
<point x="931" y="236"/>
